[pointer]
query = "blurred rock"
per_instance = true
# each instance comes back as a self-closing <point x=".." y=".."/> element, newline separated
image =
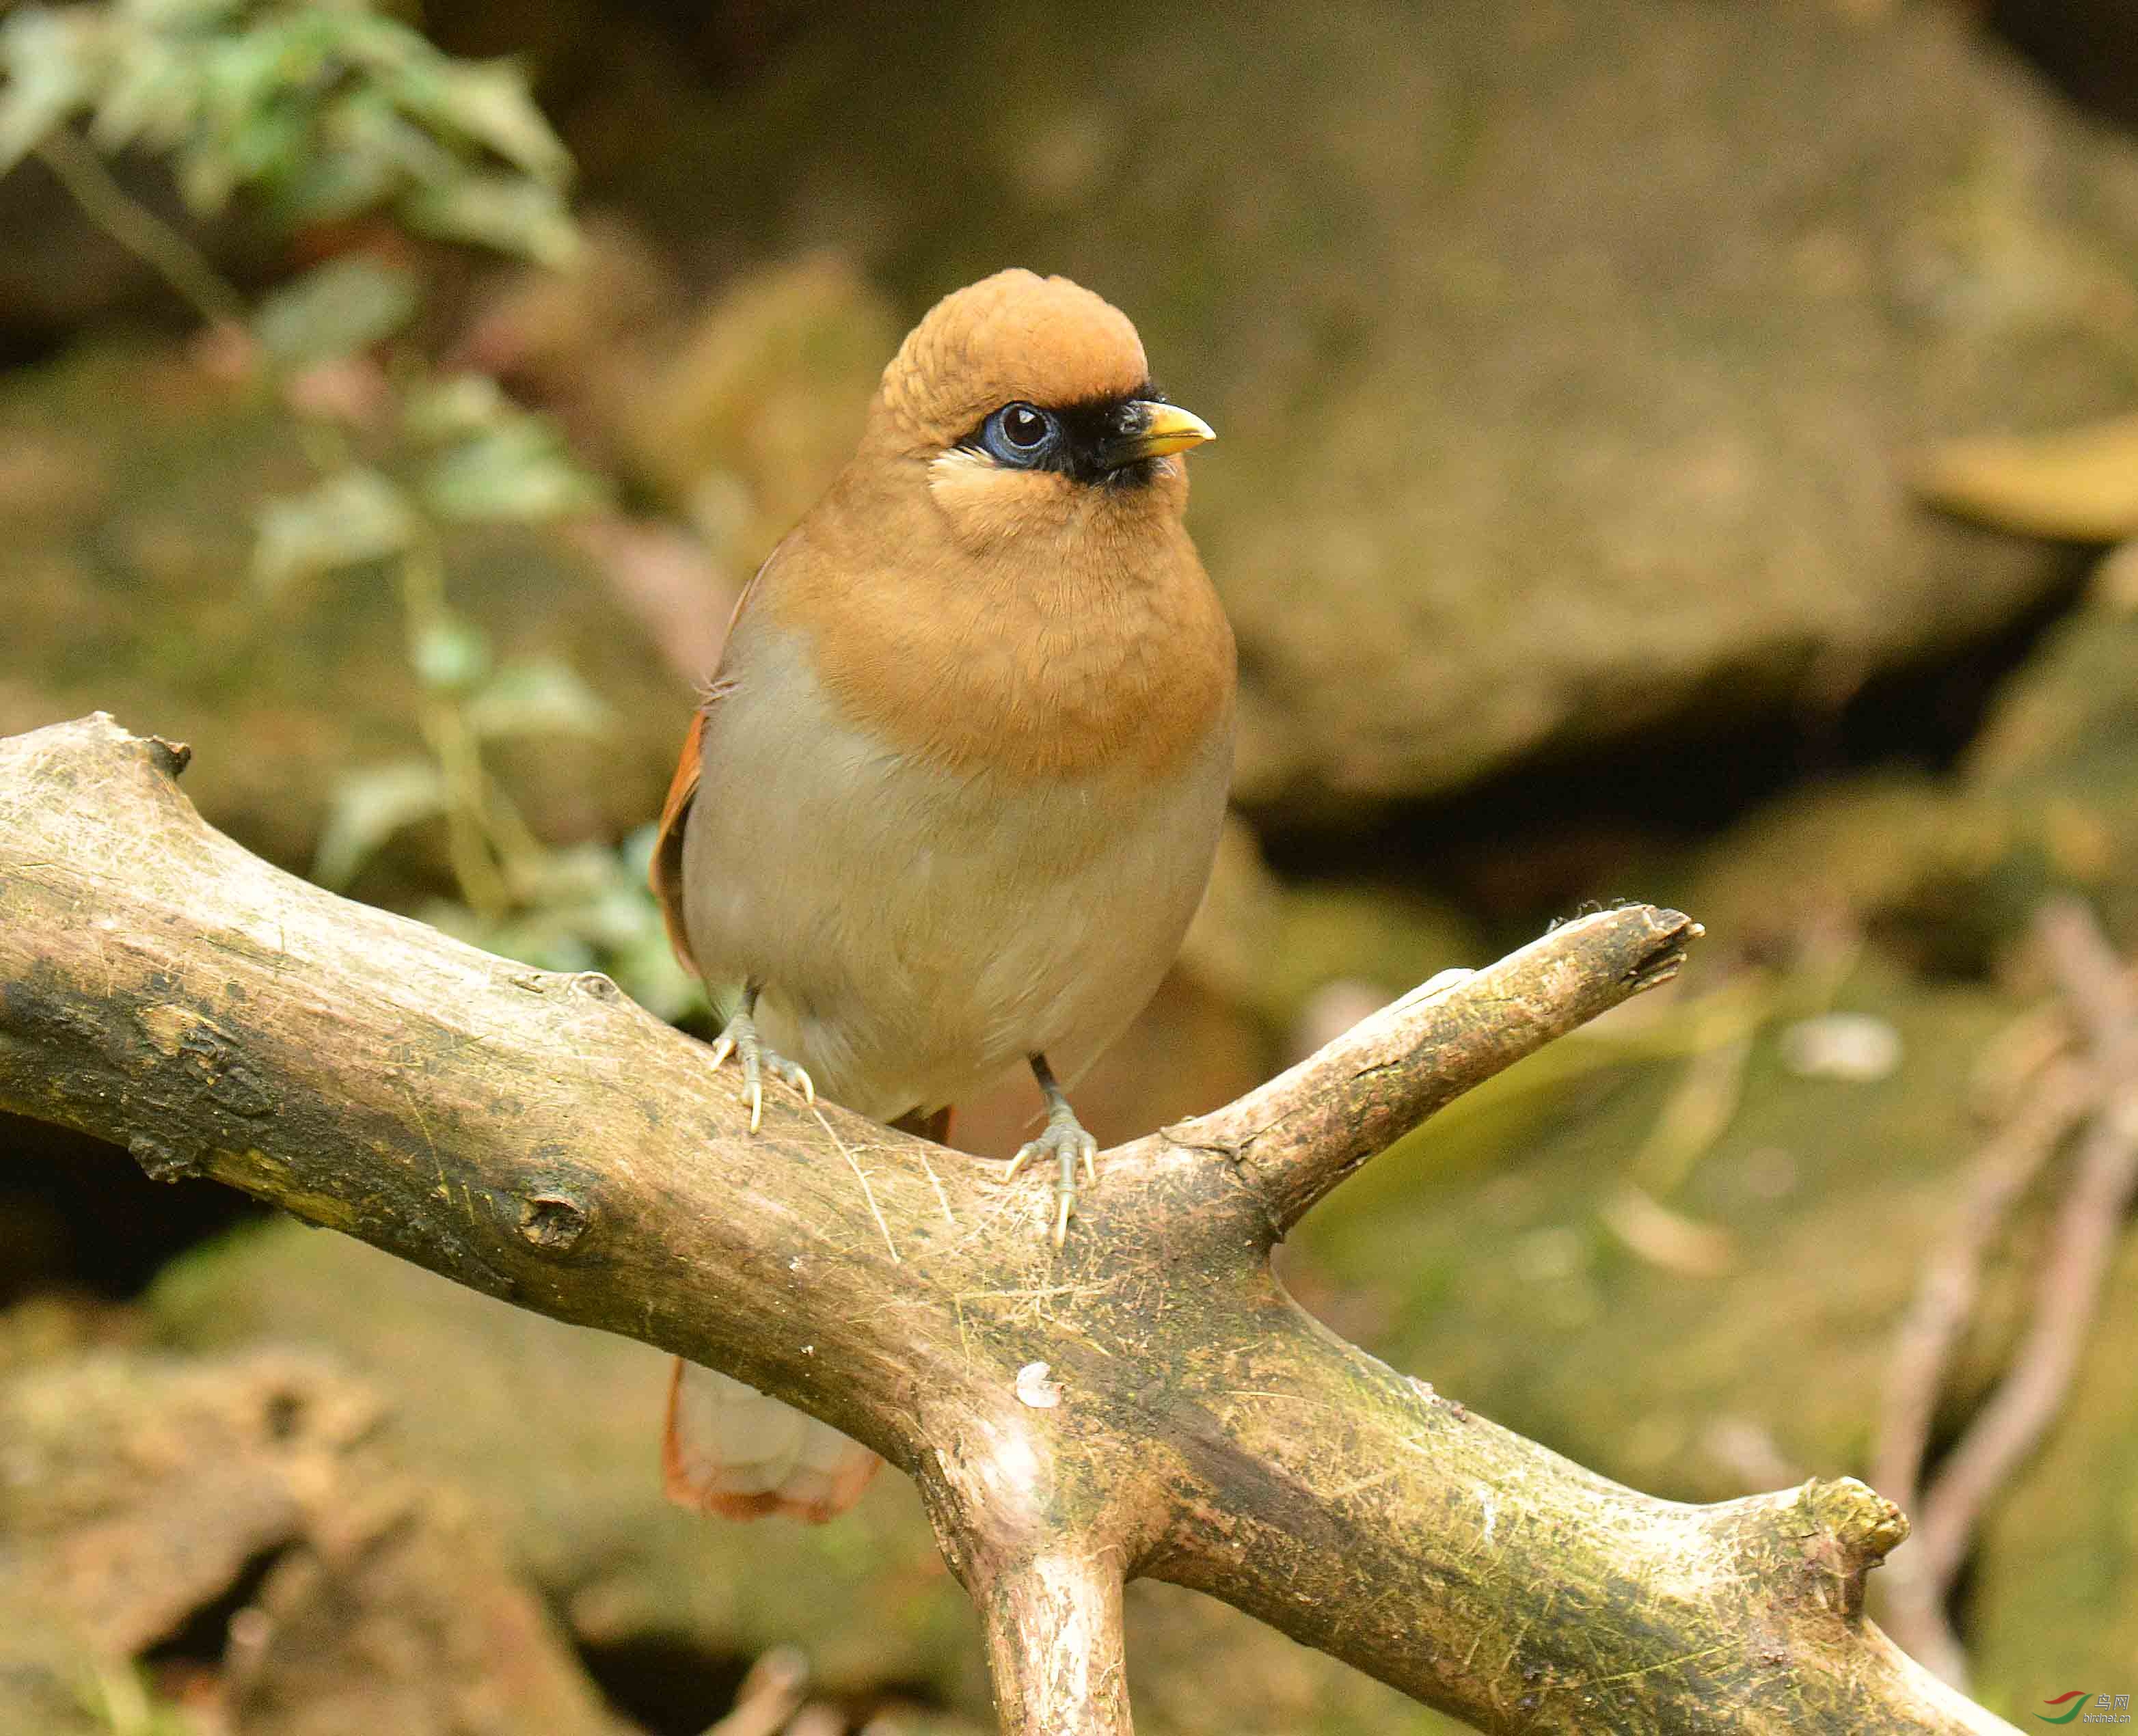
<point x="139" y="1494"/>
<point x="1904" y="855"/>
<point x="555" y="1435"/>
<point x="2062" y="747"/>
<point x="50" y="1674"/>
<point x="1387" y="937"/>
<point x="139" y="1490"/>
<point x="399" y="1614"/>
<point x="1562" y="368"/>
<point x="1947" y="872"/>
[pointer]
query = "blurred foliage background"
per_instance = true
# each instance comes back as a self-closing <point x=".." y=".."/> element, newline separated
<point x="1670" y="451"/>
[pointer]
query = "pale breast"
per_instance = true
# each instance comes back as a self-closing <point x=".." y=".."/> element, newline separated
<point x="921" y="928"/>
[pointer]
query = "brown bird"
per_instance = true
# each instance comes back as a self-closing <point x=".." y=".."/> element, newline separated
<point x="952" y="794"/>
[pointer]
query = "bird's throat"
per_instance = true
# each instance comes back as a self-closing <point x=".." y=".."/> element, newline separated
<point x="1036" y="674"/>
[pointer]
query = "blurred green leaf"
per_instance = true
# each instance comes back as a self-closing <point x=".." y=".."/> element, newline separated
<point x="454" y="408"/>
<point x="506" y="211"/>
<point x="183" y="15"/>
<point x="271" y="144"/>
<point x="518" y="469"/>
<point x="591" y="910"/>
<point x="367" y="808"/>
<point x="331" y="184"/>
<point x="250" y="115"/>
<point x="354" y="517"/>
<point x="489" y="102"/>
<point x="205" y="176"/>
<point x="366" y="151"/>
<point x="54" y="61"/>
<point x="542" y="697"/>
<point x="451" y="655"/>
<point x="322" y="109"/>
<point x="335" y="309"/>
<point x="151" y="98"/>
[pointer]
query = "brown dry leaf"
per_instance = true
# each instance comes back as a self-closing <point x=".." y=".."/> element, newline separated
<point x="2080" y="483"/>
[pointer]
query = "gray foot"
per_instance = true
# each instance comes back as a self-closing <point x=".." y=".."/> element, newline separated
<point x="738" y="1037"/>
<point x="1065" y="1142"/>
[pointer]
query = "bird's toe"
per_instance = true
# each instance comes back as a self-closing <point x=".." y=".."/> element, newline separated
<point x="738" y="1037"/>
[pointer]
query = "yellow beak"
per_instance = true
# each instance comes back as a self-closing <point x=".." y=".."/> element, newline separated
<point x="1157" y="430"/>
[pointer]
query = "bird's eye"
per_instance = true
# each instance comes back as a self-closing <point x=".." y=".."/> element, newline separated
<point x="1017" y="433"/>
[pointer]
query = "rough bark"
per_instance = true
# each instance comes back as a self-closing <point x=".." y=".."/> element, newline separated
<point x="540" y="1138"/>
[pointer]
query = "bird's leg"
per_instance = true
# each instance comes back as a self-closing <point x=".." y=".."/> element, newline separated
<point x="738" y="1037"/>
<point x="1063" y="1138"/>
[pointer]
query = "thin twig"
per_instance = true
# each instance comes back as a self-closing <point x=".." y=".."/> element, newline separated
<point x="2091" y="975"/>
<point x="140" y="231"/>
<point x="770" y="1695"/>
<point x="1918" y="1579"/>
<point x="2081" y="1245"/>
<point x="1697" y="1113"/>
<point x="1951" y="1280"/>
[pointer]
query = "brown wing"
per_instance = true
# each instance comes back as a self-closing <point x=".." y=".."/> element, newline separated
<point x="665" y="872"/>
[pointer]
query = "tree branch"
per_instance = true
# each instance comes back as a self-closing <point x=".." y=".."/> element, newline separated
<point x="539" y="1137"/>
<point x="1053" y="1625"/>
<point x="1300" y="1135"/>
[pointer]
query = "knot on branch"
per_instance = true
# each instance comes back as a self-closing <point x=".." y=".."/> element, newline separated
<point x="170" y="758"/>
<point x="208" y="1062"/>
<point x="1854" y="1529"/>
<point x="161" y="1162"/>
<point x="553" y="1222"/>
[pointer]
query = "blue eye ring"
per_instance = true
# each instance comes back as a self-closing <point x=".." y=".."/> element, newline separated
<point x="1019" y="434"/>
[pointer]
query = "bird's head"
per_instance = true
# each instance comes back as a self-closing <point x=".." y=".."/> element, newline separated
<point x="1024" y="406"/>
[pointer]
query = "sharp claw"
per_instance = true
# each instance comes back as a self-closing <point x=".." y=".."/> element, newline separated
<point x="1061" y="1220"/>
<point x="1091" y="1163"/>
<point x="740" y="1040"/>
<point x="1016" y="1162"/>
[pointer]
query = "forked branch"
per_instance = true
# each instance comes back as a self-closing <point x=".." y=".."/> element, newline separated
<point x="540" y="1138"/>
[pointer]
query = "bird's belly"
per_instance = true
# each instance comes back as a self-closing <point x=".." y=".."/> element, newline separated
<point x="918" y="932"/>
